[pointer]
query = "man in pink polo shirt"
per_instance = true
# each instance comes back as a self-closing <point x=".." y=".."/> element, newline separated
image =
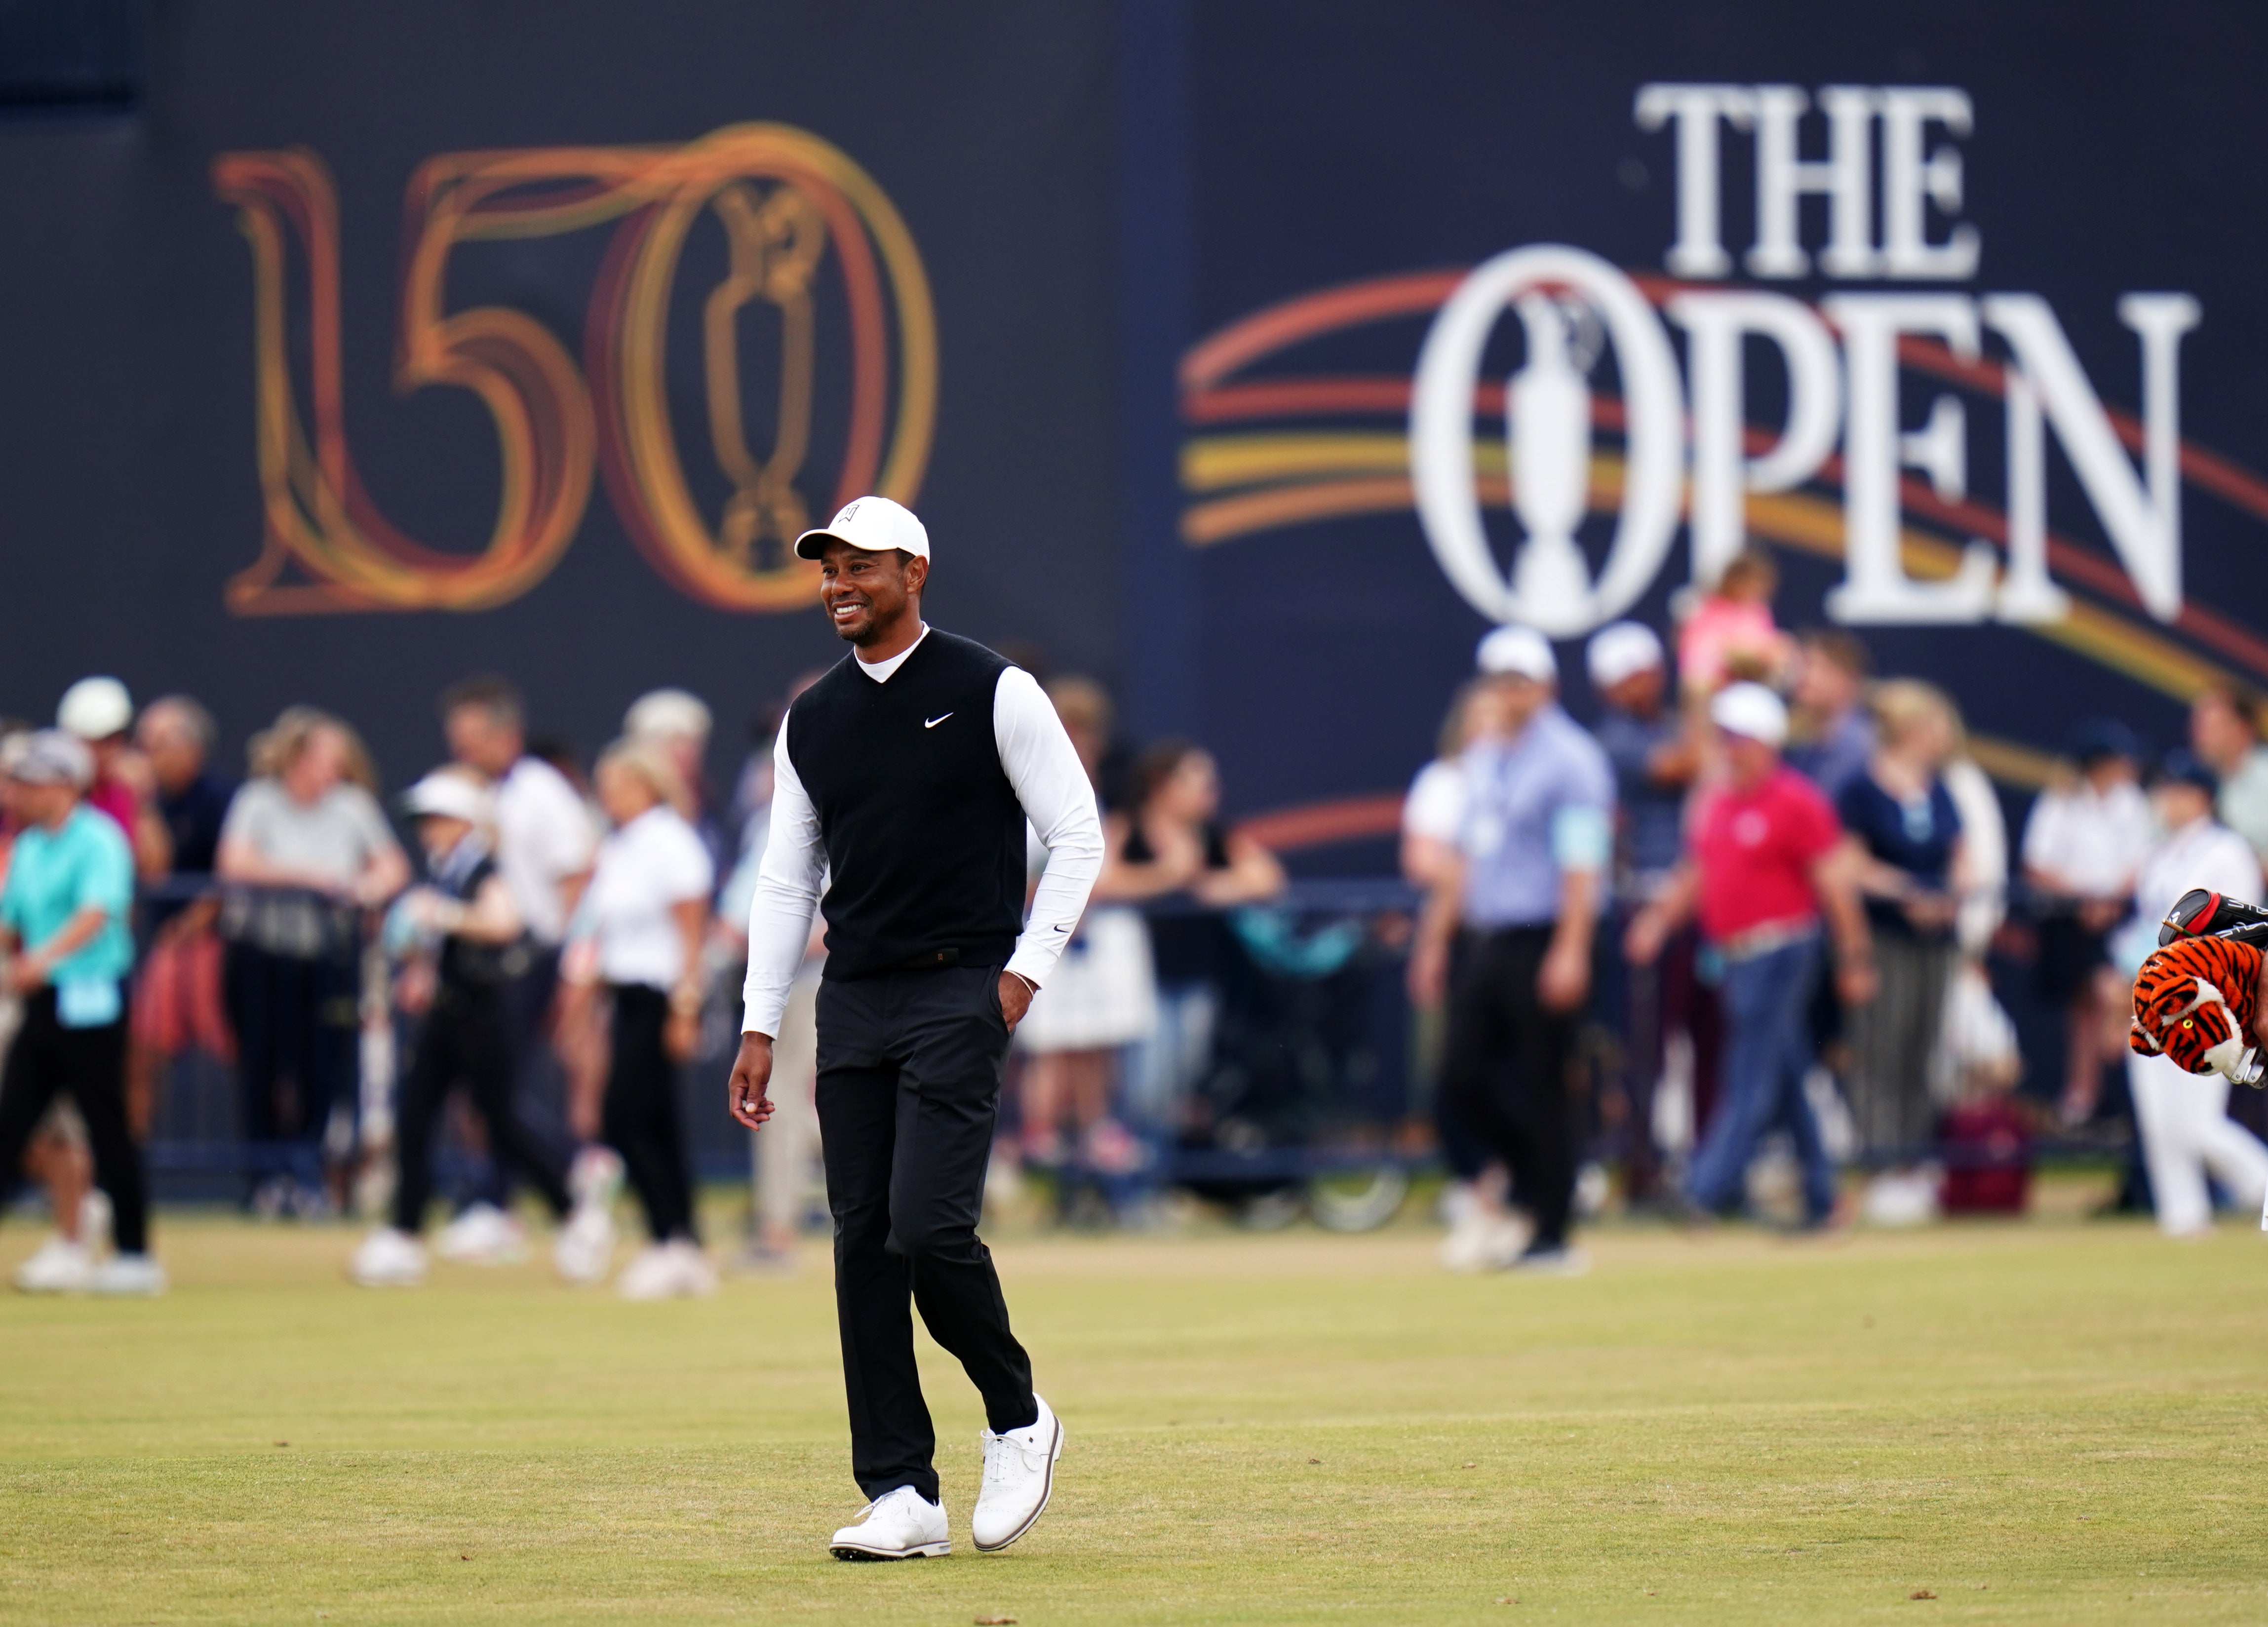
<point x="1762" y="864"/>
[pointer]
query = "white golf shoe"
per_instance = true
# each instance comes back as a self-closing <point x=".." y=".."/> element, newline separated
<point x="59" y="1267"/>
<point x="388" y="1259"/>
<point x="1019" y="1472"/>
<point x="483" y="1235"/>
<point x="127" y="1276"/>
<point x="897" y="1524"/>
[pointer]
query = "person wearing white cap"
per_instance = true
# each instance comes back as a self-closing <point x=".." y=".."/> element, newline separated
<point x="66" y="908"/>
<point x="1764" y="863"/>
<point x="1522" y="904"/>
<point x="99" y="712"/>
<point x="905" y="778"/>
<point x="466" y="1039"/>
<point x="1654" y="759"/>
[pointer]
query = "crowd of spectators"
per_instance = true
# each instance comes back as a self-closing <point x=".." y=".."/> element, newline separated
<point x="1751" y="904"/>
<point x="1807" y="877"/>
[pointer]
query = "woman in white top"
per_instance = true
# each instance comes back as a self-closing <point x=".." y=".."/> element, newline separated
<point x="640" y="932"/>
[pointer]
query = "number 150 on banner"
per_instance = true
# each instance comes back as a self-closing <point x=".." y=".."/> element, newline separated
<point x="784" y="199"/>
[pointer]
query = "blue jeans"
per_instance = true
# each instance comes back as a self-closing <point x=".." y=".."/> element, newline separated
<point x="1766" y="1000"/>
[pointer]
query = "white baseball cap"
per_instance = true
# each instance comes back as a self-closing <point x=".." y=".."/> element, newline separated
<point x="95" y="708"/>
<point x="1620" y="652"/>
<point x="1520" y="653"/>
<point x="453" y="794"/>
<point x="1752" y="710"/>
<point x="875" y="524"/>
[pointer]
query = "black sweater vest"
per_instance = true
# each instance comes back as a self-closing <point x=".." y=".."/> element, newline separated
<point x="924" y="833"/>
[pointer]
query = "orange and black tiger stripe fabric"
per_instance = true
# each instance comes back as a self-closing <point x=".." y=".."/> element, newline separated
<point x="2195" y="1001"/>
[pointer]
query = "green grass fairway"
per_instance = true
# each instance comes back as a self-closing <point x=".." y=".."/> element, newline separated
<point x="2055" y="1422"/>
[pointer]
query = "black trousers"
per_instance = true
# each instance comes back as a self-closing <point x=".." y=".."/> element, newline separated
<point x="89" y="1063"/>
<point x="909" y="1066"/>
<point x="298" y="1040"/>
<point x="639" y="1118"/>
<point x="539" y="1094"/>
<point x="1505" y="1065"/>
<point x="467" y="1039"/>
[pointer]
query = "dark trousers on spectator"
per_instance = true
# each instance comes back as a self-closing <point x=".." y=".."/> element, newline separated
<point x="909" y="1066"/>
<point x="1505" y="1065"/>
<point x="538" y="1082"/>
<point x="1631" y="1007"/>
<point x="467" y="1039"/>
<point x="1462" y="1149"/>
<point x="1766" y="1000"/>
<point x="1690" y="1004"/>
<point x="90" y="1065"/>
<point x="298" y="1028"/>
<point x="639" y="1119"/>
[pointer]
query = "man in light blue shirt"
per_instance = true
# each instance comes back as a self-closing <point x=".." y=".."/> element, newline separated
<point x="64" y="909"/>
<point x="1509" y="932"/>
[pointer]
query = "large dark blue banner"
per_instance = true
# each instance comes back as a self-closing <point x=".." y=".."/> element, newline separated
<point x="1543" y="313"/>
<point x="372" y="347"/>
<point x="1254" y="355"/>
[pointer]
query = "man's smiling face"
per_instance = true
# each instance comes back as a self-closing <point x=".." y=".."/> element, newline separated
<point x="863" y="592"/>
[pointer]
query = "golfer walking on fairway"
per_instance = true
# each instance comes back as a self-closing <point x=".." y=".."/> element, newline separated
<point x="904" y="779"/>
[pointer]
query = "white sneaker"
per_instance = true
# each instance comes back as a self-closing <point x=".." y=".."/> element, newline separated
<point x="897" y="1524"/>
<point x="388" y="1259"/>
<point x="585" y="1252"/>
<point x="483" y="1235"/>
<point x="1019" y="1472"/>
<point x="129" y="1274"/>
<point x="1900" y="1199"/>
<point x="1483" y="1237"/>
<point x="94" y="1223"/>
<point x="671" y="1271"/>
<point x="60" y="1267"/>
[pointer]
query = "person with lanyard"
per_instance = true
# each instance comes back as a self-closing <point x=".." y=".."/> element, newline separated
<point x="1525" y="893"/>
<point x="466" y="1038"/>
<point x="904" y="779"/>
<point x="66" y="903"/>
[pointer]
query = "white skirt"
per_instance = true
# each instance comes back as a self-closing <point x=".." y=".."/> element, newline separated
<point x="1103" y="993"/>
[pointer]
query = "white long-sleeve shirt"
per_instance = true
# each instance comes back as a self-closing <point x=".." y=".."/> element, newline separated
<point x="1041" y="766"/>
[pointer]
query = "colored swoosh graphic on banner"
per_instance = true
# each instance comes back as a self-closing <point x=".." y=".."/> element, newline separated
<point x="1242" y="484"/>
